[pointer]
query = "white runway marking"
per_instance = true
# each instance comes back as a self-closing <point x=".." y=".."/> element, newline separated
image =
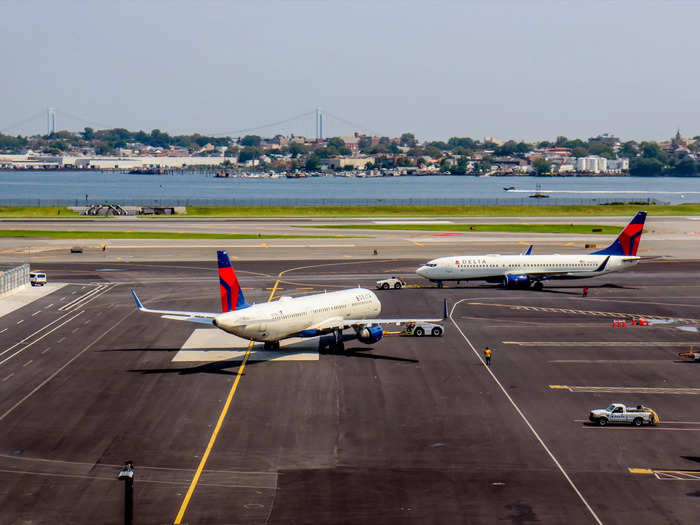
<point x="207" y="345"/>
<point x="20" y="321"/>
<point x="28" y="363"/>
<point x="76" y="356"/>
<point x="525" y="419"/>
<point x="8" y="377"/>
<point x="36" y="340"/>
<point x="36" y="313"/>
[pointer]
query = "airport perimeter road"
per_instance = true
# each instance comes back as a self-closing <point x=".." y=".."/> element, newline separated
<point x="409" y="430"/>
<point x="678" y="237"/>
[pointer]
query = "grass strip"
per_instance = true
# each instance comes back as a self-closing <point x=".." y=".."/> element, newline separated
<point x="600" y="210"/>
<point x="72" y="234"/>
<point x="515" y="228"/>
<point x="37" y="211"/>
<point x="439" y="211"/>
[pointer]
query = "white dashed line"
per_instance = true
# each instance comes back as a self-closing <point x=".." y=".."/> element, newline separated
<point x="20" y="321"/>
<point x="28" y="363"/>
<point x="8" y="377"/>
<point x="3" y="330"/>
<point x="61" y="339"/>
<point x="36" y="313"/>
<point x="38" y="339"/>
<point x="49" y="306"/>
<point x="75" y="329"/>
<point x="45" y="350"/>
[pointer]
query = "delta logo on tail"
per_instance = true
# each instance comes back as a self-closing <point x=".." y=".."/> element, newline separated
<point x="228" y="285"/>
<point x="628" y="241"/>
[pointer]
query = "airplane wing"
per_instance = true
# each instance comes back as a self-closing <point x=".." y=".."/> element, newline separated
<point x="351" y="322"/>
<point x="192" y="317"/>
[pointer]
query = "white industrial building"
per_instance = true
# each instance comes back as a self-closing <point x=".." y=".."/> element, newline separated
<point x="32" y="161"/>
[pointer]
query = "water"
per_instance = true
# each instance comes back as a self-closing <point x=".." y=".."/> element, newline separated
<point x="71" y="188"/>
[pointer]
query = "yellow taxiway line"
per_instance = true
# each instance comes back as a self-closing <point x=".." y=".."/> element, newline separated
<point x="219" y="423"/>
<point x="627" y="389"/>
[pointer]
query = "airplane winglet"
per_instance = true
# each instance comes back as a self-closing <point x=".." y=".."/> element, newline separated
<point x="139" y="305"/>
<point x="603" y="264"/>
<point x="529" y="250"/>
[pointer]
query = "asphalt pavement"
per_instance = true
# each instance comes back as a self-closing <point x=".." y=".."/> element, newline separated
<point x="408" y="430"/>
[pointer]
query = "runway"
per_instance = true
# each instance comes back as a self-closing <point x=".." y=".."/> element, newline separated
<point x="677" y="237"/>
<point x="409" y="430"/>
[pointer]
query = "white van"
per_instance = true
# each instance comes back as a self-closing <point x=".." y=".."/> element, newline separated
<point x="37" y="278"/>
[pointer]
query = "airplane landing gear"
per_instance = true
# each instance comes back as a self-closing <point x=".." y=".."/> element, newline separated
<point x="272" y="345"/>
<point x="439" y="284"/>
<point x="537" y="286"/>
<point x="338" y="344"/>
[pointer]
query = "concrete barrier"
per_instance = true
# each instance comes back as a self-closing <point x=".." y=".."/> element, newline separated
<point x="13" y="278"/>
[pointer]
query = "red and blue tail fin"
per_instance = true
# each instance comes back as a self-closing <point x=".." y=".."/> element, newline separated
<point x="628" y="241"/>
<point x="231" y="293"/>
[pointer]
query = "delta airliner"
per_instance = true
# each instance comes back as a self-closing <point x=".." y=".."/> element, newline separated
<point x="530" y="270"/>
<point x="307" y="316"/>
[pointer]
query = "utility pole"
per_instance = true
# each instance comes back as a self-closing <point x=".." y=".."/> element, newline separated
<point x="126" y="474"/>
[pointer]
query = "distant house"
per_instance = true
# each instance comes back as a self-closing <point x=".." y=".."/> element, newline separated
<point x="358" y="163"/>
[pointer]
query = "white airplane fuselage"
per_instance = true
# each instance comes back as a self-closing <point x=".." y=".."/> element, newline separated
<point x="292" y="315"/>
<point x="495" y="268"/>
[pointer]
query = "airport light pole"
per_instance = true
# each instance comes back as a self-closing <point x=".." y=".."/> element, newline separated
<point x="126" y="474"/>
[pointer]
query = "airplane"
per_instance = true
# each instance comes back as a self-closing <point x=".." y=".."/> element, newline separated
<point x="306" y="316"/>
<point x="531" y="270"/>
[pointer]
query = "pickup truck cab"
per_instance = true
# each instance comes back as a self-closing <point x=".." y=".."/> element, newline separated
<point x="37" y="278"/>
<point x="619" y="413"/>
<point x="393" y="282"/>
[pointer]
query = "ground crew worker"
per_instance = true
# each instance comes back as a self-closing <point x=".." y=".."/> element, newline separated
<point x="585" y="291"/>
<point x="487" y="356"/>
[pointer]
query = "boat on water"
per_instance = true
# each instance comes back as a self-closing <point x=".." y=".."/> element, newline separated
<point x="538" y="193"/>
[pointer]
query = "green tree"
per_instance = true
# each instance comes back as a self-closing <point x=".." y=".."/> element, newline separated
<point x="433" y="151"/>
<point x="408" y="140"/>
<point x="646" y="167"/>
<point x="232" y="151"/>
<point x="336" y="142"/>
<point x="462" y="142"/>
<point x="686" y="167"/>
<point x="651" y="150"/>
<point x="296" y="149"/>
<point x="88" y="134"/>
<point x="365" y="143"/>
<point x="601" y="149"/>
<point x="313" y="163"/>
<point x="251" y="141"/>
<point x="248" y="153"/>
<point x="629" y="149"/>
<point x="541" y="166"/>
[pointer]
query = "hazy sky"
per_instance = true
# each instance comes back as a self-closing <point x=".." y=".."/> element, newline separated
<point x="508" y="69"/>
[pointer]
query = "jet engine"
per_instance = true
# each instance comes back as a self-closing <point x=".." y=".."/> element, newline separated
<point x="515" y="280"/>
<point x="370" y="334"/>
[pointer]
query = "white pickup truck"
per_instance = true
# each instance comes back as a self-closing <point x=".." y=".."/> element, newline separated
<point x="619" y="413"/>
